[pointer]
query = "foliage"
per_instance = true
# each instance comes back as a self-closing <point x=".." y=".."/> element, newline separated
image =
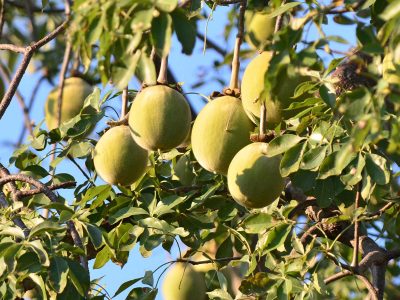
<point x="338" y="147"/>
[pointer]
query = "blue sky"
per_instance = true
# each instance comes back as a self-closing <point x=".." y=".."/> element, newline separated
<point x="186" y="69"/>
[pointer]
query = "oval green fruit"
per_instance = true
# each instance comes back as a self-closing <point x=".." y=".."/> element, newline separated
<point x="74" y="94"/>
<point x="182" y="282"/>
<point x="159" y="118"/>
<point x="254" y="180"/>
<point x="253" y="85"/>
<point x="220" y="130"/>
<point x="259" y="28"/>
<point x="118" y="159"/>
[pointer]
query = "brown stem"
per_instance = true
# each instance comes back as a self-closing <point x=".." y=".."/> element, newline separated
<point x="234" y="83"/>
<point x="2" y="17"/>
<point x="354" y="261"/>
<point x="20" y="99"/>
<point x="28" y="8"/>
<point x="37" y="9"/>
<point x="208" y="261"/>
<point x="28" y="53"/>
<point x="162" y="75"/>
<point x="11" y="47"/>
<point x="124" y="107"/>
<point x="337" y="276"/>
<point x="52" y="187"/>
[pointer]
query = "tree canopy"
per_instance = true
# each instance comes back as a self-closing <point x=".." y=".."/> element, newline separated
<point x="288" y="179"/>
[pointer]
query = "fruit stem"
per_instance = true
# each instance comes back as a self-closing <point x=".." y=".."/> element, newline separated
<point x="234" y="83"/>
<point x="263" y="116"/>
<point x="162" y="75"/>
<point x="124" y="107"/>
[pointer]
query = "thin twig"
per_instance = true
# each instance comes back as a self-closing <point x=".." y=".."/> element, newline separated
<point x="354" y="261"/>
<point x="208" y="261"/>
<point x="62" y="185"/>
<point x="20" y="99"/>
<point x="37" y="9"/>
<point x="2" y="17"/>
<point x="28" y="8"/>
<point x="337" y="276"/>
<point x="210" y="44"/>
<point x="11" y="47"/>
<point x="28" y="53"/>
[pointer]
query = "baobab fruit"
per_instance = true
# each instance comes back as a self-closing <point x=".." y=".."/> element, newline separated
<point x="253" y="83"/>
<point x="182" y="282"/>
<point x="220" y="130"/>
<point x="118" y="159"/>
<point x="259" y="28"/>
<point x="159" y="118"/>
<point x="74" y="94"/>
<point x="254" y="179"/>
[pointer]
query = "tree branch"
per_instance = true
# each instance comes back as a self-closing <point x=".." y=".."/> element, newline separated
<point x="28" y="53"/>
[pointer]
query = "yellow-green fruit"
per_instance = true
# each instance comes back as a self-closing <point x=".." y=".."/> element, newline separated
<point x="389" y="70"/>
<point x="253" y="85"/>
<point x="159" y="118"/>
<point x="221" y="129"/>
<point x="118" y="159"/>
<point x="74" y="94"/>
<point x="184" y="170"/>
<point x="254" y="180"/>
<point x="259" y="28"/>
<point x="182" y="282"/>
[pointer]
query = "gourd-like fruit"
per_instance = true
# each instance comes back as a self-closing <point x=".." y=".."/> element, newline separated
<point x="253" y="85"/>
<point x="259" y="28"/>
<point x="182" y="282"/>
<point x="118" y="159"/>
<point x="159" y="118"/>
<point x="184" y="170"/>
<point x="389" y="70"/>
<point x="220" y="130"/>
<point x="254" y="180"/>
<point x="74" y="94"/>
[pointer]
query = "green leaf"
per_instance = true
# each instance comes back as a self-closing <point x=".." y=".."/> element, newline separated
<point x="102" y="257"/>
<point x="41" y="253"/>
<point x="13" y="231"/>
<point x="79" y="276"/>
<point x="166" y="5"/>
<point x="355" y="174"/>
<point x="327" y="95"/>
<point x="313" y="158"/>
<point x="282" y="143"/>
<point x="377" y="168"/>
<point x="282" y="9"/>
<point x="146" y="71"/>
<point x="185" y="31"/>
<point x="95" y="235"/>
<point x="126" y="285"/>
<point x="326" y="190"/>
<point x="257" y="223"/>
<point x="290" y="162"/>
<point x="276" y="237"/>
<point x="80" y="149"/>
<point x="219" y="294"/>
<point x="58" y="272"/>
<point x="391" y="11"/>
<point x="45" y="226"/>
<point x="142" y="293"/>
<point x="123" y="74"/>
<point x="161" y="32"/>
<point x="38" y="280"/>
<point x="148" y="278"/>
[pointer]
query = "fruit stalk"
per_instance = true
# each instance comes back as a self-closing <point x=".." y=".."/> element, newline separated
<point x="124" y="107"/>
<point x="162" y="75"/>
<point x="234" y="84"/>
